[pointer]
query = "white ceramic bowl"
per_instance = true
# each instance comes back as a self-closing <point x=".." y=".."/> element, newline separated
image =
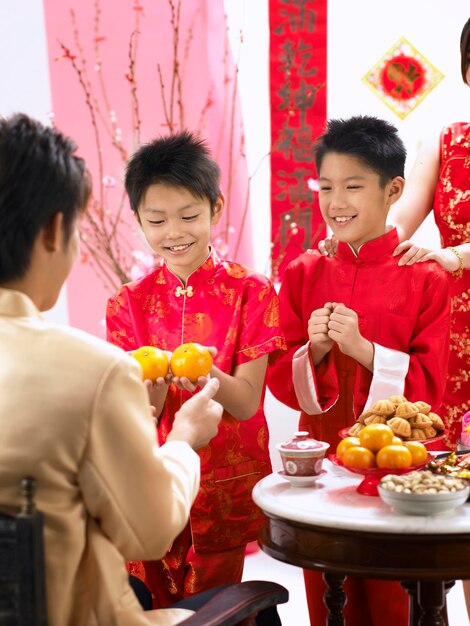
<point x="424" y="503"/>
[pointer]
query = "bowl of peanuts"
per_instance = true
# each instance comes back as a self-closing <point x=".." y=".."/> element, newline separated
<point x="423" y="492"/>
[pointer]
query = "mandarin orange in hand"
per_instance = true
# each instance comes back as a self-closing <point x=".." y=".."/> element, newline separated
<point x="153" y="361"/>
<point x="394" y="457"/>
<point x="376" y="436"/>
<point x="344" y="444"/>
<point x="191" y="360"/>
<point x="358" y="457"/>
<point x="419" y="452"/>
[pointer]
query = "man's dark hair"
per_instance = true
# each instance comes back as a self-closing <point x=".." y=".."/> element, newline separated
<point x="465" y="50"/>
<point x="374" y="141"/>
<point x="39" y="177"/>
<point x="179" y="160"/>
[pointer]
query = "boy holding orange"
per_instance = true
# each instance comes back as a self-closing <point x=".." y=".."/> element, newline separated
<point x="173" y="187"/>
<point x="358" y="327"/>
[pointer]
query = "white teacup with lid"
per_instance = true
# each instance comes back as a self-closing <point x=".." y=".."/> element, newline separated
<point x="302" y="455"/>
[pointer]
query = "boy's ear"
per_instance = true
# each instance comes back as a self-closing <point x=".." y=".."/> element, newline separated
<point x="396" y="188"/>
<point x="52" y="235"/>
<point x="218" y="209"/>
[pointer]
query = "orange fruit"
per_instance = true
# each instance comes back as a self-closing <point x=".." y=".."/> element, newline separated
<point x="419" y="453"/>
<point x="359" y="457"/>
<point x="396" y="440"/>
<point x="376" y="436"/>
<point x="344" y="444"/>
<point x="153" y="361"/>
<point x="394" y="457"/>
<point x="191" y="360"/>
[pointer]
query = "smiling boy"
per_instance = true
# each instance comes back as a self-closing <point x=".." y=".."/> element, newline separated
<point x="174" y="191"/>
<point x="358" y="327"/>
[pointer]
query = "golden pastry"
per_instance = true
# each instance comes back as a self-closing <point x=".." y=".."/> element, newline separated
<point x="383" y="407"/>
<point x="375" y="419"/>
<point x="400" y="426"/>
<point x="423" y="407"/>
<point x="417" y="433"/>
<point x="406" y="410"/>
<point x="355" y="429"/>
<point x="398" y="400"/>
<point x="430" y="432"/>
<point x="364" y="415"/>
<point x="437" y="422"/>
<point x="420" y="421"/>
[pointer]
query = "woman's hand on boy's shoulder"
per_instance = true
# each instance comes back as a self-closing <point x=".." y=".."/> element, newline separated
<point x="328" y="246"/>
<point x="412" y="253"/>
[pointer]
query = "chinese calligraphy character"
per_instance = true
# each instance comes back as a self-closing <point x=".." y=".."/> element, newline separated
<point x="297" y="17"/>
<point x="295" y="192"/>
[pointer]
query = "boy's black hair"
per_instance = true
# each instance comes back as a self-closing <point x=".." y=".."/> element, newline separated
<point x="180" y="160"/>
<point x="39" y="177"/>
<point x="465" y="50"/>
<point x="374" y="141"/>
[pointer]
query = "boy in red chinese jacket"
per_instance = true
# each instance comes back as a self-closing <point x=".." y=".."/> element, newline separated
<point x="358" y="327"/>
<point x="173" y="186"/>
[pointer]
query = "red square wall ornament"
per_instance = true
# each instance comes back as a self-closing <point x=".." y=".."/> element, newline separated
<point x="402" y="78"/>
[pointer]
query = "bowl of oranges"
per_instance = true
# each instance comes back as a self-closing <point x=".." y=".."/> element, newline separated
<point x="376" y="452"/>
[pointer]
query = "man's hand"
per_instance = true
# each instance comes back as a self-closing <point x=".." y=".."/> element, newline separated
<point x="343" y="328"/>
<point x="198" y="419"/>
<point x="157" y="391"/>
<point x="149" y="386"/>
<point x="320" y="342"/>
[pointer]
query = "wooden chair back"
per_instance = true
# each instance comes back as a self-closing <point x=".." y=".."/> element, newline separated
<point x="22" y="572"/>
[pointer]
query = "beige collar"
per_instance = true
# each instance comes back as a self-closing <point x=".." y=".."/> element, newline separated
<point x="17" y="304"/>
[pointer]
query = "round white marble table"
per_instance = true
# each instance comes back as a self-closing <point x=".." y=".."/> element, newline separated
<point x="332" y="528"/>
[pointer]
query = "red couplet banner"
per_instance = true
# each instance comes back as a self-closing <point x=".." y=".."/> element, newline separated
<point x="298" y="31"/>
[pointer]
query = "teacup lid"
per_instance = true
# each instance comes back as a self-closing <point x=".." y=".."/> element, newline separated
<point x="302" y="441"/>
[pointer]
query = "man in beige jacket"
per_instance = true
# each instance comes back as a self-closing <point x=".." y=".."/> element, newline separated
<point x="74" y="412"/>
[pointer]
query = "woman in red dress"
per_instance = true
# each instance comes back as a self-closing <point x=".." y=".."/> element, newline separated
<point x="440" y="179"/>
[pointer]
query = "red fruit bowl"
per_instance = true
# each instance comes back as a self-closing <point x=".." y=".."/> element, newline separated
<point x="373" y="475"/>
<point x="344" y="432"/>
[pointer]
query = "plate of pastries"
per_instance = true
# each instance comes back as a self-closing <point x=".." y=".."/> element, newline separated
<point x="411" y="421"/>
